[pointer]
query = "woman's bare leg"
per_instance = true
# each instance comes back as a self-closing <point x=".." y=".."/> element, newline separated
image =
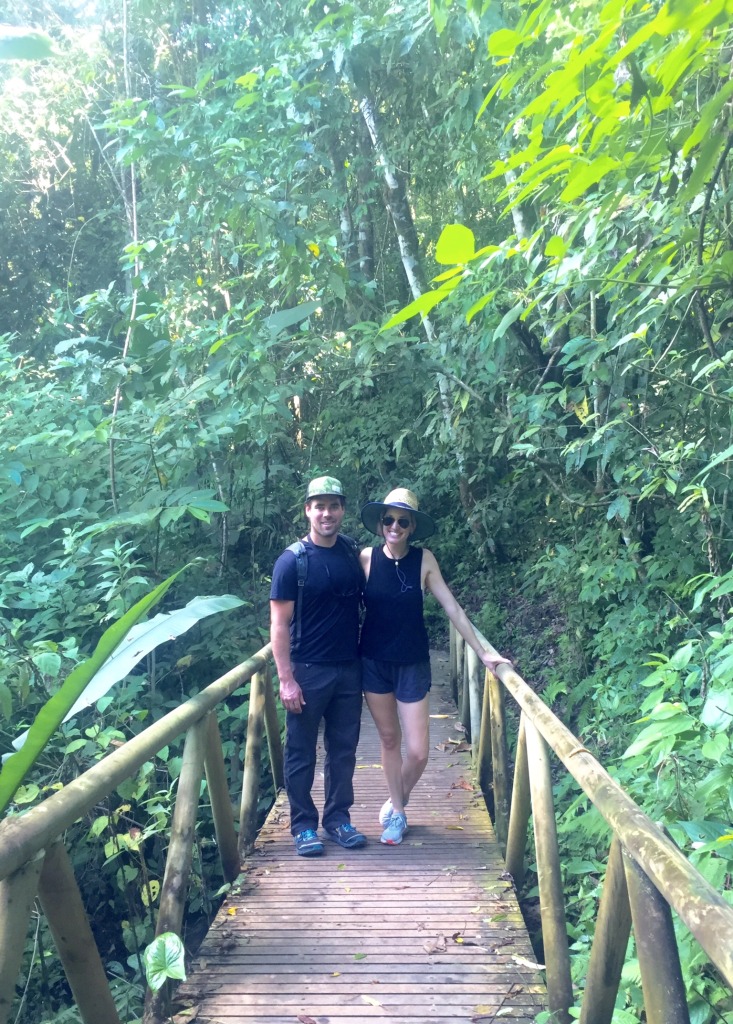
<point x="383" y="708"/>
<point x="415" y="720"/>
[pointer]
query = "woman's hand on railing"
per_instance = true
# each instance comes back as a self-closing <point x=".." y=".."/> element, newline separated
<point x="492" y="661"/>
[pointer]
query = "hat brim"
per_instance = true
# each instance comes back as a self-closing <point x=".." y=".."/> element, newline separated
<point x="372" y="512"/>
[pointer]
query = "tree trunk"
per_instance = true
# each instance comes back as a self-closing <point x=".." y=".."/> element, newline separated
<point x="398" y="205"/>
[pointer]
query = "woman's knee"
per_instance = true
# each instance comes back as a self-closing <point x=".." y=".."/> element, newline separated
<point x="391" y="739"/>
<point x="417" y="756"/>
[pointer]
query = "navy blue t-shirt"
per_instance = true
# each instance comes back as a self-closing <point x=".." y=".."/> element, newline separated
<point x="329" y="627"/>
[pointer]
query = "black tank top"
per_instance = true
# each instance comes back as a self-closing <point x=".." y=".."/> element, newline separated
<point x="394" y="629"/>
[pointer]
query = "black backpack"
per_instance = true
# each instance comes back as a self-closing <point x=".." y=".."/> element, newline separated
<point x="301" y="565"/>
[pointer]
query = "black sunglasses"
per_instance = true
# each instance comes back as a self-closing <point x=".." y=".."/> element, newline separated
<point x="402" y="522"/>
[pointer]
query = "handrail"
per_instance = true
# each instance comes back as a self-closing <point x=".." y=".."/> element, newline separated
<point x="33" y="859"/>
<point x="647" y="873"/>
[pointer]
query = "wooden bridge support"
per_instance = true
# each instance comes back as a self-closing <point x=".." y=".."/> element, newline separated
<point x="501" y="758"/>
<point x="549" y="875"/>
<point x="485" y="759"/>
<point x="174" y="890"/>
<point x="17" y="893"/>
<point x="221" y="804"/>
<point x="274" y="735"/>
<point x="252" y="759"/>
<point x="613" y="927"/>
<point x="521" y="809"/>
<point x="656" y="948"/>
<point x="62" y="904"/>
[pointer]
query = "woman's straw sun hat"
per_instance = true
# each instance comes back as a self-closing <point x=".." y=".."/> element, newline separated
<point x="400" y="497"/>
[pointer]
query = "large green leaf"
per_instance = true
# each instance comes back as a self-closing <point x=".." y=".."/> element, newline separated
<point x="455" y="245"/>
<point x="52" y="713"/>
<point x="139" y="642"/>
<point x="164" y="958"/>
<point x="422" y="305"/>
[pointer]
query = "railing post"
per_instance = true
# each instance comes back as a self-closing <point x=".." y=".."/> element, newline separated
<point x="17" y="893"/>
<point x="485" y="768"/>
<point x="464" y="706"/>
<point x="549" y="876"/>
<point x="656" y="948"/>
<point x="453" y="663"/>
<point x="516" y="844"/>
<point x="252" y="757"/>
<point x="274" y="736"/>
<point x="180" y="854"/>
<point x="62" y="904"/>
<point x="610" y="940"/>
<point x="221" y="802"/>
<point x="474" y="673"/>
<point x="500" y="757"/>
<point x="180" y="850"/>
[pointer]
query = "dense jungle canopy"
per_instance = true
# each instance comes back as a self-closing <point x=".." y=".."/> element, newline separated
<point x="480" y="249"/>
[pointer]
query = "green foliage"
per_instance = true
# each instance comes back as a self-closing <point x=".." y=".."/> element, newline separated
<point x="164" y="958"/>
<point x="24" y="44"/>
<point x="55" y="710"/>
<point x="208" y="303"/>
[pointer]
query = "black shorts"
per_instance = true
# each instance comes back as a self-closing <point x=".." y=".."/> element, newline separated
<point x="409" y="683"/>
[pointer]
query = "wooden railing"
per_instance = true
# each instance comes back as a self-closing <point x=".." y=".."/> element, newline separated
<point x="34" y="862"/>
<point x="647" y="875"/>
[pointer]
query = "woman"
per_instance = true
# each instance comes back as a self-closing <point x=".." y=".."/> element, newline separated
<point x="394" y="644"/>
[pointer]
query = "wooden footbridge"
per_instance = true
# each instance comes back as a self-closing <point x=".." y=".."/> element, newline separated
<point x="426" y="931"/>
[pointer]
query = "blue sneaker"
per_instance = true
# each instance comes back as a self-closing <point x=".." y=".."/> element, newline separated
<point x="307" y="843"/>
<point x="347" y="836"/>
<point x="395" y="830"/>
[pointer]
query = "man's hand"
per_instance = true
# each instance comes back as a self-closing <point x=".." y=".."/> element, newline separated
<point x="291" y="696"/>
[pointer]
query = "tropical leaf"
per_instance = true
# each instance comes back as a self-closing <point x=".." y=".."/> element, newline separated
<point x="141" y="640"/>
<point x="52" y="713"/>
<point x="164" y="958"/>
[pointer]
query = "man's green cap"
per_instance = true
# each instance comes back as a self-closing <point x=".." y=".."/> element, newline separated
<point x="324" y="485"/>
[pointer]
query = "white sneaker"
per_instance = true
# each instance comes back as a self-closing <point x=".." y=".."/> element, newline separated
<point x="386" y="812"/>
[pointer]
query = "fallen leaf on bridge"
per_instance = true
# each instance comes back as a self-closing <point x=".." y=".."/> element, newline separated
<point x="436" y="945"/>
<point x="372" y="1002"/>
<point x="305" y="1019"/>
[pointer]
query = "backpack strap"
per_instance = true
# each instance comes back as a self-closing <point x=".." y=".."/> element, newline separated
<point x="353" y="549"/>
<point x="301" y="566"/>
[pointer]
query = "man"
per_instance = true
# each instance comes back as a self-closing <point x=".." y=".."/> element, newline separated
<point x="314" y="626"/>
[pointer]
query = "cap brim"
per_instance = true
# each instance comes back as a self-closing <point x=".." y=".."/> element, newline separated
<point x="372" y="512"/>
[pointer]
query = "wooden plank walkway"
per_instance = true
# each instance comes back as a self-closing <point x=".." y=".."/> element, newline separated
<point x="426" y="931"/>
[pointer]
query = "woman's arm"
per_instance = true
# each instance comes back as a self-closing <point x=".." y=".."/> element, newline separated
<point x="434" y="582"/>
